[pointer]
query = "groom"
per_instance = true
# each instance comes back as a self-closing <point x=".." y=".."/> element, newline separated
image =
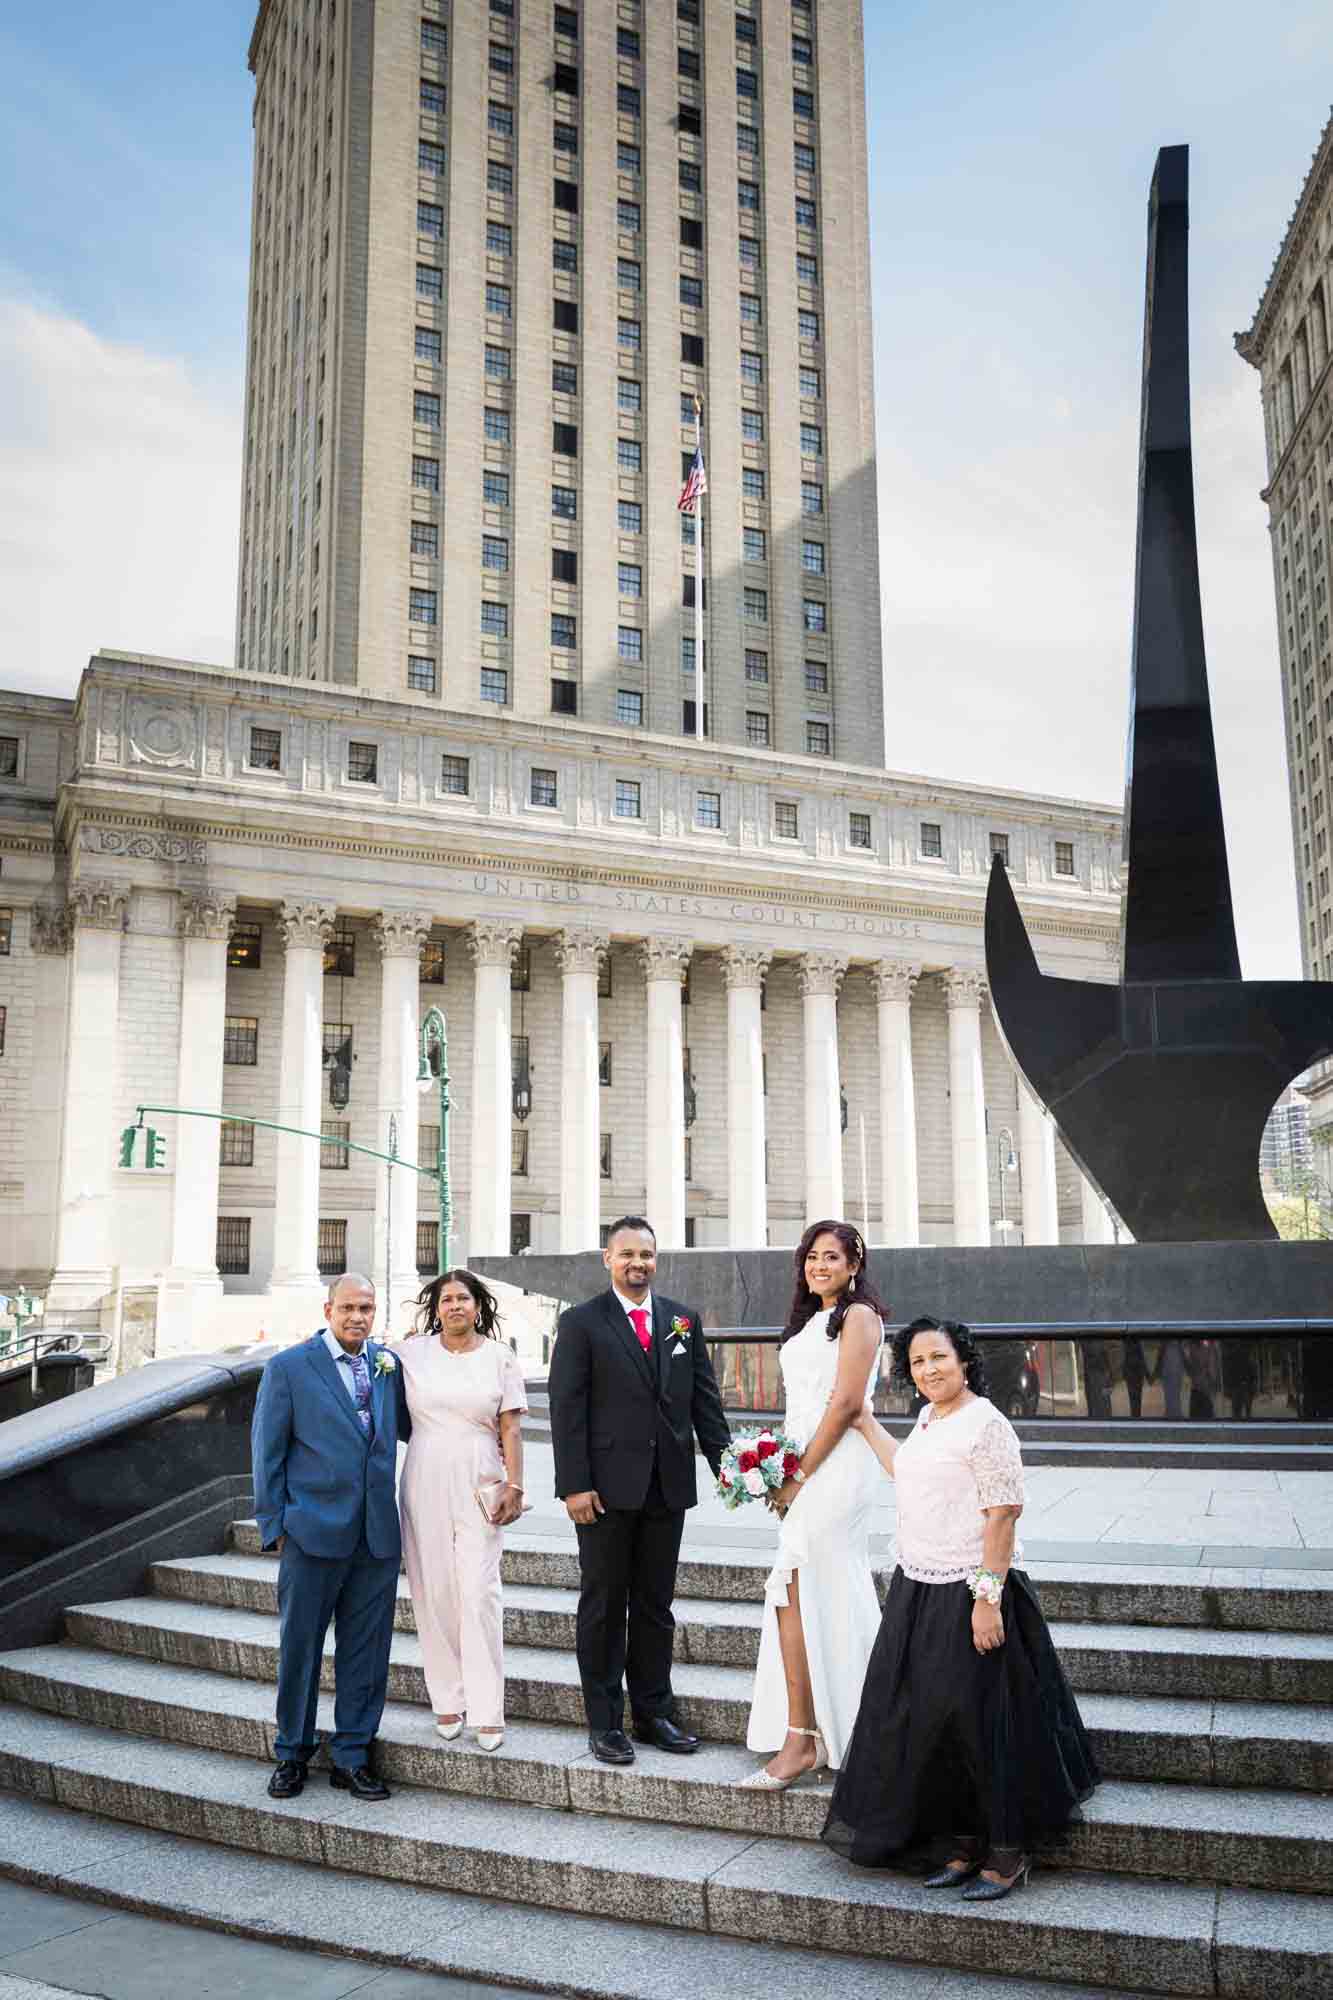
<point x="324" y="1440"/>
<point x="631" y="1386"/>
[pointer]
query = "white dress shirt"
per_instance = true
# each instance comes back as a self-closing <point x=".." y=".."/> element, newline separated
<point x="347" y="1376"/>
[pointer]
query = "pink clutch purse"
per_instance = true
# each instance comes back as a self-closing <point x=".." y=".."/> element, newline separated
<point x="490" y="1495"/>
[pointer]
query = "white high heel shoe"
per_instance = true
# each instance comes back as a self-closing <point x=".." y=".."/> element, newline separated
<point x="490" y="1739"/>
<point x="448" y="1730"/>
<point x="762" y="1781"/>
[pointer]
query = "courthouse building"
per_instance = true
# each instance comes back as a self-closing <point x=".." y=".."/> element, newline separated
<point x="734" y="980"/>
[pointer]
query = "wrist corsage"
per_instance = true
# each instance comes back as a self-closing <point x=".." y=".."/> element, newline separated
<point x="986" y="1586"/>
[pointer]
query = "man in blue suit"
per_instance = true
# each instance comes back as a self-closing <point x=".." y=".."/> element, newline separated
<point x="327" y="1422"/>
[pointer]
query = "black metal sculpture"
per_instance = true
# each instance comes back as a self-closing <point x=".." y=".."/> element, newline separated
<point x="1161" y="1085"/>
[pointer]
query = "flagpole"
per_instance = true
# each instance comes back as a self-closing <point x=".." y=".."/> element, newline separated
<point x="699" y="580"/>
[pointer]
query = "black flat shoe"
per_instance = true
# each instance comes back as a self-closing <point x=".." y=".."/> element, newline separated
<point x="288" y="1781"/>
<point x="361" y="1783"/>
<point x="664" y="1734"/>
<point x="949" y="1878"/>
<point x="995" y="1892"/>
<point x="612" y="1746"/>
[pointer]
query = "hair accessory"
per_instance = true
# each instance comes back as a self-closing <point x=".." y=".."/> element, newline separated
<point x="986" y="1586"/>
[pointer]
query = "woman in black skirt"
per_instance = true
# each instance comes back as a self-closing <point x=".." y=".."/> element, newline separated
<point x="968" y="1747"/>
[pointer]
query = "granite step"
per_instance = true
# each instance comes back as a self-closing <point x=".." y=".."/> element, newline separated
<point x="1097" y="1930"/>
<point x="471" y="1938"/>
<point x="1183" y="1662"/>
<point x="1251" y="1837"/>
<point x="1232" y="1599"/>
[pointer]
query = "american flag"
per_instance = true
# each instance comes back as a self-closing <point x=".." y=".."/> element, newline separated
<point x="696" y="484"/>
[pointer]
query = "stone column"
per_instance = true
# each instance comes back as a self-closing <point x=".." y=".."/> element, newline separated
<point x="743" y="969"/>
<point x="399" y="935"/>
<point x="580" y="955"/>
<point x="963" y="991"/>
<point x="49" y="943"/>
<point x="191" y="1285"/>
<point x="819" y="975"/>
<point x="493" y="945"/>
<point x="894" y="984"/>
<point x="1096" y="1218"/>
<point x="306" y="929"/>
<point x="663" y="961"/>
<point x="86" y="1248"/>
<point x="1036" y="1152"/>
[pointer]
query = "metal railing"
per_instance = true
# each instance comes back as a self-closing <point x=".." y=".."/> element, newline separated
<point x="34" y="1347"/>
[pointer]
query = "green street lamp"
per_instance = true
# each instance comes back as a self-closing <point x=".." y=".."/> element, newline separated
<point x="434" y="1069"/>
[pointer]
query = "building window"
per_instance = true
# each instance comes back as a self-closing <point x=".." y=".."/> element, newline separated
<point x="494" y="552"/>
<point x="752" y="309"/>
<point x="500" y="119"/>
<point x="331" y="1247"/>
<point x="629" y="794"/>
<point x="629" y="642"/>
<point x="518" y="1152"/>
<point x="430" y="220"/>
<point x="425" y="539"/>
<point x="747" y="141"/>
<point x="804" y="158"/>
<point x="691" y="291"/>
<point x="1064" y="857"/>
<point x="809" y="383"/>
<point x="932" y="845"/>
<point x="752" y="369"/>
<point x="629" y="517"/>
<point x="564" y="503"/>
<point x="629" y="334"/>
<point x="501" y="59"/>
<point x="812" y="497"/>
<point x="499" y="302"/>
<point x="499" y="177"/>
<point x="747" y="83"/>
<point x="812" y="441"/>
<point x="628" y="101"/>
<point x="629" y="275"/>
<point x="430" y="970"/>
<point x="430" y="158"/>
<point x="812" y="558"/>
<point x="604" y="1065"/>
<point x="495" y="685"/>
<point x="756" y="728"/>
<point x="499" y="239"/>
<point x="542" y="788"/>
<point x="564" y="256"/>
<point x="689" y="119"/>
<point x="454" y="776"/>
<point x="629" y="455"/>
<point x="564" y="565"/>
<point x="265" y="749"/>
<point x="495" y="485"/>
<point x="999" y="844"/>
<point x="754" y="486"/>
<point x="815" y="614"/>
<point x="750" y="253"/>
<point x="426" y="474"/>
<point x="430" y="281"/>
<point x="233" y="1245"/>
<point x="429" y="344"/>
<point x="629" y="396"/>
<point x="245" y="948"/>
<point x="756" y="607"/>
<point x="752" y="426"/>
<point x="817" y="739"/>
<point x="629" y="160"/>
<point x="565" y="382"/>
<point x="689" y="175"/>
<point x="422" y="607"/>
<point x="240" y="1040"/>
<point x="426" y="409"/>
<point x="803" y="103"/>
<point x="428" y="1249"/>
<point x="627" y="44"/>
<point x="692" y="350"/>
<point x="565" y="316"/>
<point x="494" y="619"/>
<point x="756" y="666"/>
<point x="858" y="830"/>
<point x="629" y="707"/>
<point x="431" y="98"/>
<point x="421" y="673"/>
<point x="497" y="364"/>
<point x="520" y="973"/>
<point x="363" y="758"/>
<point x="340" y="954"/>
<point x="708" y="809"/>
<point x="236" y="1146"/>
<point x="629" y="217"/>
<point x="565" y="197"/>
<point x="565" y="138"/>
<point x="688" y="716"/>
<point x="564" y="697"/>
<point x="629" y="577"/>
<point x="754" y="545"/>
<point x="564" y="631"/>
<point x="333" y="1155"/>
<point x="786" y="819"/>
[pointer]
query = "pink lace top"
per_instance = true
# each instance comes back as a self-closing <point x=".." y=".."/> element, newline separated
<point x="945" y="1473"/>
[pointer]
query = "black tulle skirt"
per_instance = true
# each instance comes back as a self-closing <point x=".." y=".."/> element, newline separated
<point x="952" y="1744"/>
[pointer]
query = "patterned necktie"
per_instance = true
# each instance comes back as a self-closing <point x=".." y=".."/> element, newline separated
<point x="639" y="1318"/>
<point x="361" y="1384"/>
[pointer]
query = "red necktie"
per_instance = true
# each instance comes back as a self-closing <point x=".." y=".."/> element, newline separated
<point x="639" y="1317"/>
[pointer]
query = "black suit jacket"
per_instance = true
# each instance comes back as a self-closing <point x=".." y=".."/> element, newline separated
<point x="615" y="1411"/>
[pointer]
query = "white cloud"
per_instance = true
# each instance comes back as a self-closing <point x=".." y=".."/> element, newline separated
<point x="119" y="502"/>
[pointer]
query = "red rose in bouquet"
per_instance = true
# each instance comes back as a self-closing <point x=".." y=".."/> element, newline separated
<point x="748" y="1460"/>
<point x="767" y="1447"/>
<point x="789" y="1464"/>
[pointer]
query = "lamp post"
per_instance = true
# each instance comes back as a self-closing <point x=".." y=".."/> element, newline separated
<point x="434" y="1068"/>
<point x="1008" y="1163"/>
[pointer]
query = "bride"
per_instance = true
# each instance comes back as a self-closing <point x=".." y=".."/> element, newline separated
<point x="821" y="1613"/>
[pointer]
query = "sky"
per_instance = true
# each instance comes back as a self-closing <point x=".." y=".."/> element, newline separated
<point x="1012" y="145"/>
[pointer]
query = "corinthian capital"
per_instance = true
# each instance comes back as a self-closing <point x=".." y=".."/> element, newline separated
<point x="664" y="957"/>
<point x="48" y="929"/>
<point x="963" y="987"/>
<point x="895" y="978"/>
<point x="581" y="951"/>
<point x="401" y="933"/>
<point x="99" y="906"/>
<point x="492" y="941"/>
<point x="308" y="924"/>
<point x="820" y="972"/>
<point x="203" y="913"/>
<point x="744" y="965"/>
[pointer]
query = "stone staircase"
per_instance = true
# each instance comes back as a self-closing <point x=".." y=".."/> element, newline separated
<point x="1204" y="1864"/>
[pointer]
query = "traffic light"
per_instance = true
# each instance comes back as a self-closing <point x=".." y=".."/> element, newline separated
<point x="127" y="1146"/>
<point x="157" y="1149"/>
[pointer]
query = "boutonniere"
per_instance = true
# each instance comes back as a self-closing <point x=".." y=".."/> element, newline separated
<point x="384" y="1362"/>
<point x="680" y="1327"/>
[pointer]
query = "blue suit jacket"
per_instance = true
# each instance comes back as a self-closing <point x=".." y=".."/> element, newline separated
<point x="317" y="1477"/>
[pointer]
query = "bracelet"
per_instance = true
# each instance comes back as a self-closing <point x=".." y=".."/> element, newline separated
<point x="986" y="1586"/>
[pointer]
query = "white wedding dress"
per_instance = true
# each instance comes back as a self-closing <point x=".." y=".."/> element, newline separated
<point x="825" y="1537"/>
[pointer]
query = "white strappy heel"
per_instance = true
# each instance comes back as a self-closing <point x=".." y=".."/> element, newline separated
<point x="762" y="1781"/>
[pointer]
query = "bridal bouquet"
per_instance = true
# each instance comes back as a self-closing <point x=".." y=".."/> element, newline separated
<point x="753" y="1467"/>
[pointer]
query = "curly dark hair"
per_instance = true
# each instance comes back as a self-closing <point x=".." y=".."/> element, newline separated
<point x="858" y="1292"/>
<point x="428" y="1301"/>
<point x="960" y="1339"/>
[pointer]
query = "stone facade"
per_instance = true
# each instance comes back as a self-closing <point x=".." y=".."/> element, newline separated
<point x="257" y="931"/>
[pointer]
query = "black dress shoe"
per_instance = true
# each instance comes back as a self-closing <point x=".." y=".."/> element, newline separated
<point x="664" y="1734"/>
<point x="288" y="1781"/>
<point x="612" y="1746"/>
<point x="361" y="1783"/>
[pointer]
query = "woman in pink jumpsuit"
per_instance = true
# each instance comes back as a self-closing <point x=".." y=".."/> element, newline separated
<point x="465" y="1393"/>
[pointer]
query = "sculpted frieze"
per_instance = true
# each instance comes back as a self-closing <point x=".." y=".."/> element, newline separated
<point x="162" y="733"/>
